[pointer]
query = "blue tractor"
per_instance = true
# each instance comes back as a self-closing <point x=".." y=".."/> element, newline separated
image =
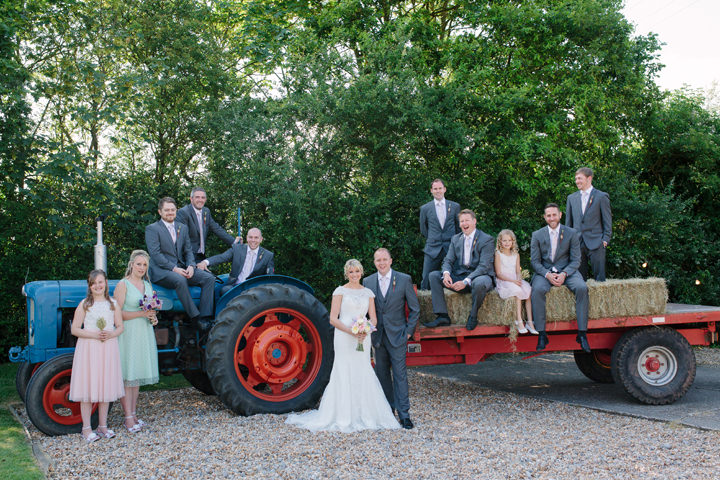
<point x="269" y="351"/>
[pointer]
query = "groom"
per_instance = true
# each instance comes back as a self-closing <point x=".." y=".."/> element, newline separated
<point x="392" y="291"/>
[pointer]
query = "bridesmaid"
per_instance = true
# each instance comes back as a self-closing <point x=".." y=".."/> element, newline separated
<point x="138" y="350"/>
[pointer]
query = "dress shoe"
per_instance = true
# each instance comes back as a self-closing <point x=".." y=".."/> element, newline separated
<point x="520" y="327"/>
<point x="531" y="328"/>
<point x="583" y="341"/>
<point x="471" y="322"/>
<point x="203" y="324"/>
<point x="439" y="321"/>
<point x="542" y="341"/>
<point x="406" y="423"/>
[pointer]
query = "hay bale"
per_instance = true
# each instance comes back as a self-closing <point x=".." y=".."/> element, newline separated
<point x="612" y="298"/>
<point x="494" y="310"/>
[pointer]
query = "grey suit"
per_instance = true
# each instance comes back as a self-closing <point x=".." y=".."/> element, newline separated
<point x="188" y="216"/>
<point x="166" y="255"/>
<point x="264" y="263"/>
<point x="390" y="339"/>
<point x="437" y="238"/>
<point x="567" y="259"/>
<point x="595" y="227"/>
<point x="480" y="271"/>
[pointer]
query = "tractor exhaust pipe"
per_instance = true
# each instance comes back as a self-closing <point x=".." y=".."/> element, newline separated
<point x="100" y="250"/>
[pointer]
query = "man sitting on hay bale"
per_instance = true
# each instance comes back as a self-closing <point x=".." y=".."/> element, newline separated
<point x="555" y="257"/>
<point x="468" y="266"/>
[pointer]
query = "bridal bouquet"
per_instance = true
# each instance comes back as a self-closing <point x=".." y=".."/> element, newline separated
<point x="362" y="325"/>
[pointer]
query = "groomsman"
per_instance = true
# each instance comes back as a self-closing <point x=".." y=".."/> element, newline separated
<point x="172" y="263"/>
<point x="588" y="212"/>
<point x="198" y="220"/>
<point x="249" y="260"/>
<point x="468" y="266"/>
<point x="555" y="257"/>
<point x="393" y="290"/>
<point x="438" y="223"/>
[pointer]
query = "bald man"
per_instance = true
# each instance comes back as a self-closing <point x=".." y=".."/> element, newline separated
<point x="248" y="260"/>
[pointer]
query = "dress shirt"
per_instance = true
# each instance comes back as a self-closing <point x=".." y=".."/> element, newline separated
<point x="171" y="230"/>
<point x="585" y="195"/>
<point x="385" y="282"/>
<point x="249" y="265"/>
<point x="440" y="211"/>
<point x="198" y="214"/>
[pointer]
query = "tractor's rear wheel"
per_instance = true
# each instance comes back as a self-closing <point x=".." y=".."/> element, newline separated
<point x="199" y="380"/>
<point x="47" y="402"/>
<point x="270" y="351"/>
<point x="22" y="377"/>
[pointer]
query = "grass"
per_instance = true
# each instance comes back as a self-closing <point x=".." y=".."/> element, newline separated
<point x="16" y="458"/>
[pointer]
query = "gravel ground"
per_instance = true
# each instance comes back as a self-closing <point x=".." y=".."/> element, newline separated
<point x="462" y="431"/>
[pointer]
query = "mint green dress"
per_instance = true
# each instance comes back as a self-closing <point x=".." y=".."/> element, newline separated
<point x="138" y="350"/>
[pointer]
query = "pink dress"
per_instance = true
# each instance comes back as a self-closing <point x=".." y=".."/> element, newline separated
<point x="507" y="289"/>
<point x="96" y="373"/>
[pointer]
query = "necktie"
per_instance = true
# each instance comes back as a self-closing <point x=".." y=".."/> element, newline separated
<point x="384" y="283"/>
<point x="171" y="229"/>
<point x="247" y="267"/>
<point x="553" y="244"/>
<point x="440" y="210"/>
<point x="467" y="252"/>
<point x="200" y="229"/>
<point x="585" y="196"/>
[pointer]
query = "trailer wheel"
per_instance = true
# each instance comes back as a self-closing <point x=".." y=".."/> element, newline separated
<point x="199" y="380"/>
<point x="595" y="365"/>
<point x="654" y="365"/>
<point x="24" y="372"/>
<point x="270" y="351"/>
<point x="47" y="402"/>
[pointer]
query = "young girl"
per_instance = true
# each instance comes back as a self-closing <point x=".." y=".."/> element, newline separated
<point x="509" y="278"/>
<point x="96" y="373"/>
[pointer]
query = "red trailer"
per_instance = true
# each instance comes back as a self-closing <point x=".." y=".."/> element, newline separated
<point x="651" y="356"/>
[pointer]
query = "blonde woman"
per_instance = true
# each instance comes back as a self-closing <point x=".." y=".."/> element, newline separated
<point x="138" y="350"/>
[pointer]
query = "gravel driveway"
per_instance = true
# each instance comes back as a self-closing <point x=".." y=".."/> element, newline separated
<point x="462" y="431"/>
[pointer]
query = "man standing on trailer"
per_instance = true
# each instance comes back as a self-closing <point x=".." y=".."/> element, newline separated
<point x="198" y="219"/>
<point x="555" y="257"/>
<point x="438" y="224"/>
<point x="588" y="212"/>
<point x="172" y="263"/>
<point x="393" y="290"/>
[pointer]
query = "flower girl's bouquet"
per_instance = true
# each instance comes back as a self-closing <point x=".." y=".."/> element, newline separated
<point x="362" y="325"/>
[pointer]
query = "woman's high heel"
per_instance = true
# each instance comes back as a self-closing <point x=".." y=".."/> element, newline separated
<point x="520" y="327"/>
<point x="531" y="327"/>
<point x="135" y="428"/>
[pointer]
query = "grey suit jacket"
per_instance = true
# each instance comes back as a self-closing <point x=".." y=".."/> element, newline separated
<point x="483" y="256"/>
<point x="567" y="254"/>
<point x="187" y="216"/>
<point x="264" y="264"/>
<point x="595" y="225"/>
<point x="438" y="237"/>
<point x="390" y="310"/>
<point x="164" y="254"/>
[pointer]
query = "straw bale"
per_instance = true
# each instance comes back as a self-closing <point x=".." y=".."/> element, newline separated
<point x="612" y="298"/>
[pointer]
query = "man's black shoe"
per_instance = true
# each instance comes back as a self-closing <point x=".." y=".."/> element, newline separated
<point x="406" y="423"/>
<point x="439" y="321"/>
<point x="542" y="341"/>
<point x="204" y="324"/>
<point x="471" y="322"/>
<point x="583" y="341"/>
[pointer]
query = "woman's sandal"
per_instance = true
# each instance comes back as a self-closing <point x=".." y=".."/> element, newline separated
<point x="139" y="422"/>
<point x="107" y="433"/>
<point x="135" y="428"/>
<point x="92" y="437"/>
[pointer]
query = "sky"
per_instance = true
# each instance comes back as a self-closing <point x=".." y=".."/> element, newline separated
<point x="690" y="30"/>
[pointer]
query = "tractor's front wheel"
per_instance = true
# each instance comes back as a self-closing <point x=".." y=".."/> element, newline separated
<point x="270" y="351"/>
<point x="24" y="372"/>
<point x="47" y="402"/>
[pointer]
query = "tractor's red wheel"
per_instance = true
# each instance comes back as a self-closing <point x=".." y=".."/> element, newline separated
<point x="47" y="402"/>
<point x="270" y="351"/>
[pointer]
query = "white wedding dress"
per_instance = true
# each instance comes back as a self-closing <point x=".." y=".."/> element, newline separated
<point x="353" y="399"/>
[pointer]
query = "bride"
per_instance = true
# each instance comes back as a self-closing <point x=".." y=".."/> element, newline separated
<point x="353" y="399"/>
